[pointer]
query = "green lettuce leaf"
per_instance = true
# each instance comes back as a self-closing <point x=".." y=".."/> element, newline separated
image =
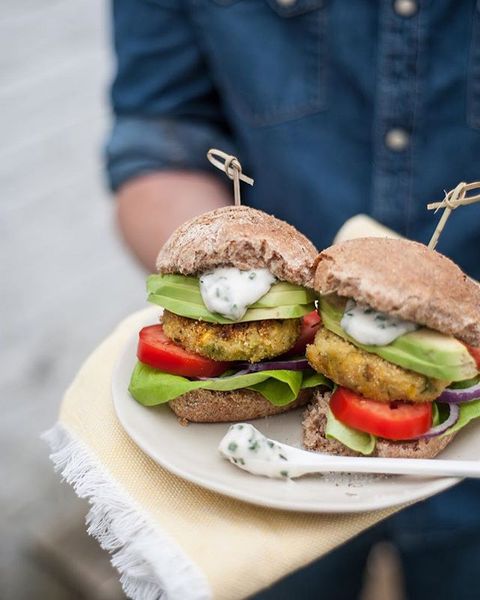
<point x="468" y="412"/>
<point x="313" y="379"/>
<point x="466" y="383"/>
<point x="358" y="441"/>
<point x="151" y="387"/>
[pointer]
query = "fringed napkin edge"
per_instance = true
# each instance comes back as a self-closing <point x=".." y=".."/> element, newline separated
<point x="151" y="565"/>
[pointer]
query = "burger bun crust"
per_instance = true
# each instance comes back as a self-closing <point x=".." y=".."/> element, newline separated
<point x="404" y="279"/>
<point x="207" y="406"/>
<point x="242" y="237"/>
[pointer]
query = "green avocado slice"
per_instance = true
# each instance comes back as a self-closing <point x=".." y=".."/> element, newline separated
<point x="188" y="288"/>
<point x="200" y="313"/>
<point x="424" y="351"/>
<point x="181" y="295"/>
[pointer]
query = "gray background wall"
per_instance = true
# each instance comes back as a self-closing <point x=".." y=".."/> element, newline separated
<point x="65" y="279"/>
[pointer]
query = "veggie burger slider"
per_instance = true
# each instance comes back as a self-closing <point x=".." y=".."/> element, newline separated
<point x="400" y="339"/>
<point x="235" y="284"/>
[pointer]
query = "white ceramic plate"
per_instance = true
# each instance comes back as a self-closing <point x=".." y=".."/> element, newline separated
<point x="191" y="452"/>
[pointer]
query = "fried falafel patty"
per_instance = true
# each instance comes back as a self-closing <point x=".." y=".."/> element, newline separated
<point x="369" y="374"/>
<point x="252" y="341"/>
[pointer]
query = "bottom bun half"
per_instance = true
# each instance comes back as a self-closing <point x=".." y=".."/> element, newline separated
<point x="315" y="420"/>
<point x="206" y="406"/>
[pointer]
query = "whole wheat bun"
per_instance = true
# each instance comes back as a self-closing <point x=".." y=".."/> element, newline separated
<point x="241" y="237"/>
<point x="207" y="406"/>
<point x="314" y="422"/>
<point x="405" y="279"/>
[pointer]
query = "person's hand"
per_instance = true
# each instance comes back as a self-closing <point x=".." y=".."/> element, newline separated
<point x="151" y="206"/>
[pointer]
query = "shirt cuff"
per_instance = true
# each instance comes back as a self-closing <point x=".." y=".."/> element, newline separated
<point x="141" y="145"/>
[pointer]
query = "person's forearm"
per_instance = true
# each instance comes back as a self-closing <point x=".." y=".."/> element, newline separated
<point x="151" y="206"/>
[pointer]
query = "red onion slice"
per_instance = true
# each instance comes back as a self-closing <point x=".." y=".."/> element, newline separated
<point x="439" y="429"/>
<point x="457" y="396"/>
<point x="296" y="364"/>
<point x="243" y="372"/>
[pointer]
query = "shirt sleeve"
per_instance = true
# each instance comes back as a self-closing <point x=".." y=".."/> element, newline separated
<point x="166" y="109"/>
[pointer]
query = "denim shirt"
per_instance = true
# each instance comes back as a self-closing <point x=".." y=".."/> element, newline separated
<point x="334" y="107"/>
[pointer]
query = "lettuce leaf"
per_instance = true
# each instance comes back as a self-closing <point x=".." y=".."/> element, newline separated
<point x="313" y="379"/>
<point x="354" y="439"/>
<point x="151" y="387"/>
<point x="468" y="412"/>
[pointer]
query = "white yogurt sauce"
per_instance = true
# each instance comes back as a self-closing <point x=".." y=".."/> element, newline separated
<point x="229" y="291"/>
<point x="244" y="446"/>
<point x="372" y="328"/>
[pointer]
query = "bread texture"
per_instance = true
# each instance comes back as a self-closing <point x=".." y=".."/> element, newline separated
<point x="405" y="279"/>
<point x="315" y="420"/>
<point x="242" y="237"/>
<point x="207" y="406"/>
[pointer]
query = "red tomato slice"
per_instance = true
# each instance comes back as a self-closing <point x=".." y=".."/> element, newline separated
<point x="475" y="352"/>
<point x="157" y="350"/>
<point x="310" y="325"/>
<point x="394" y="421"/>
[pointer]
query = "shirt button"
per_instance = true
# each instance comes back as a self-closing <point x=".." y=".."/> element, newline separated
<point x="397" y="139"/>
<point x="405" y="8"/>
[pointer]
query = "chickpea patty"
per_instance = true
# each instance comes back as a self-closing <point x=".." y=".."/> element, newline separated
<point x="252" y="341"/>
<point x="369" y="374"/>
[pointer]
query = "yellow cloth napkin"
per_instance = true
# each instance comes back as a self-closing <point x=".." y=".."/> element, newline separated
<point x="168" y="535"/>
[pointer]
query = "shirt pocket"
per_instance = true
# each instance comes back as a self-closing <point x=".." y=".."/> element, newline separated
<point x="473" y="86"/>
<point x="268" y="57"/>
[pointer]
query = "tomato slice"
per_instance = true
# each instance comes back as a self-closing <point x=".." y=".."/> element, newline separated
<point x="475" y="353"/>
<point x="394" y="421"/>
<point x="157" y="350"/>
<point x="310" y="325"/>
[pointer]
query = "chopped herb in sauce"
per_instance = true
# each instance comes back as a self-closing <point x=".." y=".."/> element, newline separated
<point x="254" y="446"/>
<point x="230" y="291"/>
<point x="371" y="327"/>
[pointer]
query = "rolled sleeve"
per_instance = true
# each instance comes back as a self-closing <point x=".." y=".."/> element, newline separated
<point x="166" y="109"/>
<point x="139" y="145"/>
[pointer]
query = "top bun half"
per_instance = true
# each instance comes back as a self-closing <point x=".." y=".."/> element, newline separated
<point x="405" y="279"/>
<point x="242" y="237"/>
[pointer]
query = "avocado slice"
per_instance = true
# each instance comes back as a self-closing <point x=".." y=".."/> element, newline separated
<point x="272" y="299"/>
<point x="424" y="351"/>
<point x="181" y="295"/>
<point x="188" y="289"/>
<point x="184" y="308"/>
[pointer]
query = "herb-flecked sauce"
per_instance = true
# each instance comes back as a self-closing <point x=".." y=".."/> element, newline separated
<point x="246" y="447"/>
<point x="230" y="291"/>
<point x="372" y="328"/>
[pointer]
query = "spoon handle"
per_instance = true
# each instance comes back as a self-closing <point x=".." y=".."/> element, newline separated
<point x="389" y="466"/>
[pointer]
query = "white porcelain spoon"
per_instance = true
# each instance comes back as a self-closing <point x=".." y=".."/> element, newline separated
<point x="247" y="448"/>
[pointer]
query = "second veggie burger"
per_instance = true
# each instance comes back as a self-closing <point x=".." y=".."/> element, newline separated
<point x="400" y="338"/>
<point x="235" y="284"/>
